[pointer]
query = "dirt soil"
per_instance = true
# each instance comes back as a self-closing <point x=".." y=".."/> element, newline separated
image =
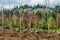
<point x="8" y="34"/>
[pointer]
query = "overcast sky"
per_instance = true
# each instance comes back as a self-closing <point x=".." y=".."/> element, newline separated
<point x="29" y="2"/>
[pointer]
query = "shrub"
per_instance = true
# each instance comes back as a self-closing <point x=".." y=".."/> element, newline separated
<point x="14" y="21"/>
<point x="6" y="25"/>
<point x="51" y="23"/>
<point x="44" y="25"/>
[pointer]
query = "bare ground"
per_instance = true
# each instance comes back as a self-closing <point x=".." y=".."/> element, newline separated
<point x="27" y="35"/>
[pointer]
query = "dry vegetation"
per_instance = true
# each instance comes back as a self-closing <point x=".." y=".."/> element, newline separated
<point x="8" y="34"/>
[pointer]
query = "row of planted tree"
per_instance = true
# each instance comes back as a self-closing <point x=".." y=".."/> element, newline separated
<point x="35" y="20"/>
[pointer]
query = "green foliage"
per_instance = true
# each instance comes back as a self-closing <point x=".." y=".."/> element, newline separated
<point x="16" y="12"/>
<point x="54" y="14"/>
<point x="23" y="12"/>
<point x="47" y="19"/>
<point x="51" y="23"/>
<point x="57" y="8"/>
<point x="20" y="26"/>
<point x="6" y="25"/>
<point x="6" y="11"/>
<point x="44" y="25"/>
<point x="39" y="13"/>
<point x="53" y="30"/>
<point x="35" y="26"/>
<point x="0" y="23"/>
<point x="14" y="22"/>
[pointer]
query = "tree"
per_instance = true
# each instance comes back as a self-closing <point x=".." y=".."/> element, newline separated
<point x="54" y="14"/>
<point x="44" y="25"/>
<point x="51" y="23"/>
<point x="57" y="8"/>
<point x="6" y="12"/>
<point x="14" y="22"/>
<point x="38" y="14"/>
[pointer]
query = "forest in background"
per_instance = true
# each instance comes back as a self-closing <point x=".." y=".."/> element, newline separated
<point x="37" y="17"/>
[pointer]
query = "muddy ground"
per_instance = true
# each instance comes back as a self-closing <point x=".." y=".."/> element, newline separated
<point x="27" y="35"/>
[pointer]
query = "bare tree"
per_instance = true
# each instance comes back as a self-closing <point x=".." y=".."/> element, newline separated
<point x="2" y="15"/>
